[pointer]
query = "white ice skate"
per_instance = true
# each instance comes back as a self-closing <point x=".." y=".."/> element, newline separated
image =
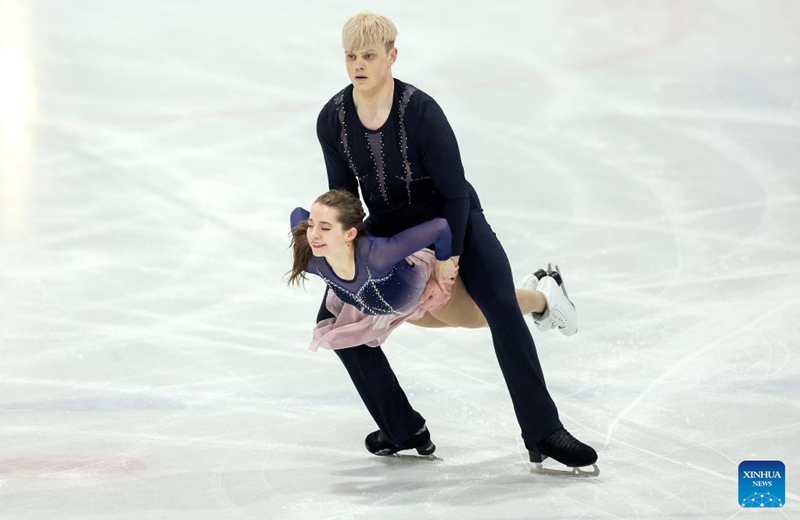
<point x="560" y="308"/>
<point x="542" y="320"/>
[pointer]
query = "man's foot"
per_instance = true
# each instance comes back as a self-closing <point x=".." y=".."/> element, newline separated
<point x="377" y="444"/>
<point x="560" y="308"/>
<point x="566" y="449"/>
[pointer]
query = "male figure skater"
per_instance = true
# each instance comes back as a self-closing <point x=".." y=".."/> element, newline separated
<point x="394" y="142"/>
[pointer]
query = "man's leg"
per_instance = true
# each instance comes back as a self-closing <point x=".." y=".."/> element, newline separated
<point x="379" y="389"/>
<point x="486" y="273"/>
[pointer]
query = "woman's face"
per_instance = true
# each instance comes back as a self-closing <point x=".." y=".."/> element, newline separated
<point x="326" y="235"/>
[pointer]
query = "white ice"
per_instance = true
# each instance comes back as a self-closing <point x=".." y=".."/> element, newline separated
<point x="153" y="363"/>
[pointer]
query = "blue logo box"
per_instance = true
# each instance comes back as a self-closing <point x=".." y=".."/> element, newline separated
<point x="762" y="484"/>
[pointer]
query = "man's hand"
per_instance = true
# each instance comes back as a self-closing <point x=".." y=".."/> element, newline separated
<point x="445" y="273"/>
<point x="433" y="297"/>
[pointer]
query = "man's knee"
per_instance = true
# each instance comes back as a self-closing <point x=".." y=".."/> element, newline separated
<point x="497" y="304"/>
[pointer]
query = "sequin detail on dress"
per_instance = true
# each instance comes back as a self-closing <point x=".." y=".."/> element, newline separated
<point x="359" y="298"/>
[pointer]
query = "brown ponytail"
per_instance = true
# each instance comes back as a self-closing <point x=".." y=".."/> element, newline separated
<point x="302" y="253"/>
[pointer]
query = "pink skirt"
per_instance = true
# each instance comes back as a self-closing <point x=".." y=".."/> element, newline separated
<point x="351" y="327"/>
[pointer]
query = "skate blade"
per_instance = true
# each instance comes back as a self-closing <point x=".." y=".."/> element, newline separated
<point x="411" y="457"/>
<point x="567" y="471"/>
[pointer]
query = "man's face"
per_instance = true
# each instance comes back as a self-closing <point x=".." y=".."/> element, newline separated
<point x="370" y="67"/>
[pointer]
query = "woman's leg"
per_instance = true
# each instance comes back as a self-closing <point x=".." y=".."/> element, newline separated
<point x="429" y="322"/>
<point x="461" y="310"/>
<point x="531" y="301"/>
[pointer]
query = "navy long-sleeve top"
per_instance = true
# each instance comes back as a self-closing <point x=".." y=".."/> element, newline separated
<point x="385" y="283"/>
<point x="409" y="169"/>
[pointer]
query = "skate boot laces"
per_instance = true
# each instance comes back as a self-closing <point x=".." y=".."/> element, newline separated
<point x="563" y="447"/>
<point x="564" y="440"/>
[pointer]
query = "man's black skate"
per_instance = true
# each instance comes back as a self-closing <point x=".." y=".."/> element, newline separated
<point x="566" y="449"/>
<point x="379" y="445"/>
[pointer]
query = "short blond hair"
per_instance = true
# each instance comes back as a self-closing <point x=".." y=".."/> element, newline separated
<point x="365" y="29"/>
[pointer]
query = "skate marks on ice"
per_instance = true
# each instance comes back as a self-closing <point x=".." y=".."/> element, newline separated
<point x="481" y="485"/>
<point x="753" y="169"/>
<point x="681" y="363"/>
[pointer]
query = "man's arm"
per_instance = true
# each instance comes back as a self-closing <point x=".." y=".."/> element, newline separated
<point x="442" y="160"/>
<point x="339" y="175"/>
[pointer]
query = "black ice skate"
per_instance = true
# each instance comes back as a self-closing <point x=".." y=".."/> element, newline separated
<point x="568" y="450"/>
<point x="379" y="445"/>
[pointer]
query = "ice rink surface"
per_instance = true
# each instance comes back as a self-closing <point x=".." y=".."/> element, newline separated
<point x="154" y="363"/>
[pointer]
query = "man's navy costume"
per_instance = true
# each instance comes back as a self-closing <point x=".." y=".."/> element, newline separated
<point x="410" y="171"/>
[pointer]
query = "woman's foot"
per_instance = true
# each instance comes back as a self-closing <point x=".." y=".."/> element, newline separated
<point x="560" y="309"/>
<point x="541" y="319"/>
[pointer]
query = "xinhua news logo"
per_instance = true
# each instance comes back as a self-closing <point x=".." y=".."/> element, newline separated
<point x="762" y="483"/>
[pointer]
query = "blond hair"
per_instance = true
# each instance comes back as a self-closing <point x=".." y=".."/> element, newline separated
<point x="365" y="29"/>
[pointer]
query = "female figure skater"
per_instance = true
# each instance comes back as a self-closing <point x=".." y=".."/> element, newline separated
<point x="375" y="283"/>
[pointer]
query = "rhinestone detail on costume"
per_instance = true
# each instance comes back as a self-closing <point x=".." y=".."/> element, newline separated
<point x="376" y="153"/>
<point x="358" y="297"/>
<point x="343" y="139"/>
<point x="404" y="101"/>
